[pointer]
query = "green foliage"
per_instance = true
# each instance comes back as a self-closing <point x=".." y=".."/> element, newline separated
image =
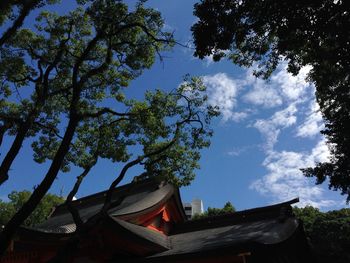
<point x="72" y="71"/>
<point x="314" y="33"/>
<point x="14" y="13"/>
<point x="212" y="211"/>
<point x="16" y="201"/>
<point x="63" y="86"/>
<point x="88" y="55"/>
<point x="328" y="232"/>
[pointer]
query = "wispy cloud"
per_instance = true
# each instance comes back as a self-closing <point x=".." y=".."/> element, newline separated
<point x="222" y="92"/>
<point x="263" y="95"/>
<point x="313" y="122"/>
<point x="271" y="128"/>
<point x="237" y="151"/>
<point x="282" y="87"/>
<point x="208" y="60"/>
<point x="292" y="87"/>
<point x="285" y="181"/>
<point x="289" y="95"/>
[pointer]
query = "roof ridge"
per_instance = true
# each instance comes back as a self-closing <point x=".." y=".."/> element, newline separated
<point x="235" y="217"/>
<point x="93" y="197"/>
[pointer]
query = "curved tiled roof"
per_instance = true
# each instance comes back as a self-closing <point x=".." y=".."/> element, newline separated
<point x="264" y="232"/>
<point x="239" y="232"/>
<point x="138" y="198"/>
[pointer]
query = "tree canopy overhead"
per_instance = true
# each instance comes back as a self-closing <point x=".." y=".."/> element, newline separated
<point x="314" y="33"/>
<point x="62" y="85"/>
<point x="17" y="11"/>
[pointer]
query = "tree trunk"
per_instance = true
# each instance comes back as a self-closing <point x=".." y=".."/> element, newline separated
<point x="3" y="130"/>
<point x="10" y="229"/>
<point x="15" y="147"/>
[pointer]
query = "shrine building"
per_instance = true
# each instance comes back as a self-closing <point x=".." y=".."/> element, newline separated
<point x="150" y="225"/>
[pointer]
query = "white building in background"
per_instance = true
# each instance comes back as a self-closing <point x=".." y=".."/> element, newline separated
<point x="193" y="208"/>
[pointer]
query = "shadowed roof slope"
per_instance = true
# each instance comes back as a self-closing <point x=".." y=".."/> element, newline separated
<point x="137" y="198"/>
<point x="146" y="223"/>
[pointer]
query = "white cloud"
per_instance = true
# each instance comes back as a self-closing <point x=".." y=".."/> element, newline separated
<point x="262" y="92"/>
<point x="313" y="123"/>
<point x="240" y="150"/>
<point x="242" y="115"/>
<point x="292" y="87"/>
<point x="281" y="87"/>
<point x="285" y="181"/>
<point x="263" y="95"/>
<point x="272" y="127"/>
<point x="222" y="92"/>
<point x="208" y="60"/>
<point x="236" y="152"/>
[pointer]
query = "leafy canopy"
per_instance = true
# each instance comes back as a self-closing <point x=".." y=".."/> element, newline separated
<point x="328" y="233"/>
<point x="16" y="201"/>
<point x="62" y="85"/>
<point x="212" y="211"/>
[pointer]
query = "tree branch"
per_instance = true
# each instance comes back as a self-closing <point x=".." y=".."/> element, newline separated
<point x="83" y="56"/>
<point x="130" y="164"/>
<point x="24" y="11"/>
<point x="56" y="60"/>
<point x="3" y="130"/>
<point x="15" y="147"/>
<point x="104" y="111"/>
<point x="10" y="229"/>
<point x="75" y="213"/>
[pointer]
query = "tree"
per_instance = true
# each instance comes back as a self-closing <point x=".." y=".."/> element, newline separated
<point x="74" y="68"/>
<point x="212" y="211"/>
<point x="16" y="201"/>
<point x="328" y="233"/>
<point x="17" y="11"/>
<point x="314" y="33"/>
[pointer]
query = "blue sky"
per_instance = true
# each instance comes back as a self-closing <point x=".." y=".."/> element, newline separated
<point x="267" y="131"/>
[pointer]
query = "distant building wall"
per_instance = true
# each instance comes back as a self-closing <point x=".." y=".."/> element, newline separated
<point x="193" y="208"/>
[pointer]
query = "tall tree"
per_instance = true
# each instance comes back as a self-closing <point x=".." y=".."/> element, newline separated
<point x="62" y="84"/>
<point x="16" y="201"/>
<point x="12" y="16"/>
<point x="315" y="33"/>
